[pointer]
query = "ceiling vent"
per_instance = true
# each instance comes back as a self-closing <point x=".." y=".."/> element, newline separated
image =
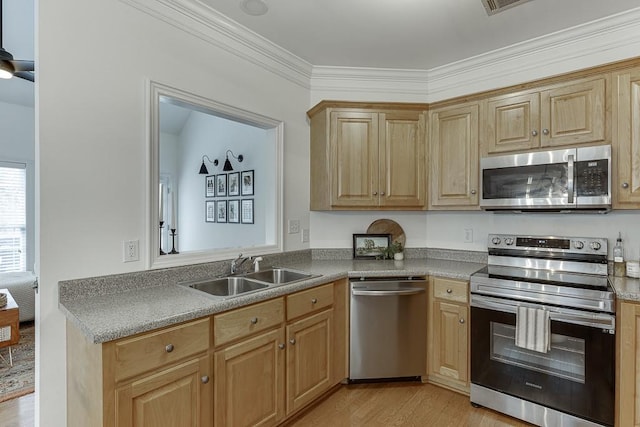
<point x="495" y="6"/>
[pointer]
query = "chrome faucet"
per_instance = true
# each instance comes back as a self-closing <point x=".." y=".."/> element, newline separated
<point x="237" y="263"/>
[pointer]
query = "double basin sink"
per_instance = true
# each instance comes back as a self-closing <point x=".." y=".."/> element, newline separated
<point x="251" y="282"/>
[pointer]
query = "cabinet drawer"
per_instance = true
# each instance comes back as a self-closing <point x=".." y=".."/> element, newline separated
<point x="308" y="301"/>
<point x="151" y="350"/>
<point x="243" y="322"/>
<point x="452" y="290"/>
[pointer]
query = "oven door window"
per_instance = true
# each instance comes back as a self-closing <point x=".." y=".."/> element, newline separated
<point x="566" y="359"/>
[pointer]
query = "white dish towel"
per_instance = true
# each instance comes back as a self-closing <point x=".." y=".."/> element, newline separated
<point x="533" y="329"/>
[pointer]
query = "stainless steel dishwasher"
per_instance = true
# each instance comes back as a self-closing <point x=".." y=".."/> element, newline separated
<point x="388" y="328"/>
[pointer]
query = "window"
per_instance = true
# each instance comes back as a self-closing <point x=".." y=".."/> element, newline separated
<point x="13" y="217"/>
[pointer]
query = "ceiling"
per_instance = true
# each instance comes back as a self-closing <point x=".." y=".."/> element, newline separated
<point x="397" y="34"/>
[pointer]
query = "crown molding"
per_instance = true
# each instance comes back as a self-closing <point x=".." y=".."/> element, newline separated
<point x="204" y="22"/>
<point x="598" y="42"/>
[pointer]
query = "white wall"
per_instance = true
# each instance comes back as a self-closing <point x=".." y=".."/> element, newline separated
<point x="17" y="144"/>
<point x="92" y="146"/>
<point x="213" y="136"/>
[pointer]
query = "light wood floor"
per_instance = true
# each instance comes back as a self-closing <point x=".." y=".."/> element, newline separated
<point x="400" y="404"/>
<point x="370" y="405"/>
<point x="18" y="412"/>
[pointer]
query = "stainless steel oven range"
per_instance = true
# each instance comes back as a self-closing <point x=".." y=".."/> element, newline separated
<point x="543" y="331"/>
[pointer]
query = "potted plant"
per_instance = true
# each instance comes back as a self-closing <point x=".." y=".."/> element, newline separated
<point x="394" y="251"/>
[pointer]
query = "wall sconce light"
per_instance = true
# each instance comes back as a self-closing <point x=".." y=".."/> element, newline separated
<point x="227" y="164"/>
<point x="203" y="167"/>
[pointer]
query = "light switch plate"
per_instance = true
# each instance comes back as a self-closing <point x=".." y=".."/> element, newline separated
<point x="294" y="226"/>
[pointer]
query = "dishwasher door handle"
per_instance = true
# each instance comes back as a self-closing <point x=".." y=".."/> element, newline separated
<point x="383" y="293"/>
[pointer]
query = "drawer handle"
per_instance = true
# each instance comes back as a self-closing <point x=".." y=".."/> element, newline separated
<point x="449" y="290"/>
<point x="254" y="320"/>
<point x="169" y="348"/>
<point x="281" y="346"/>
<point x="204" y="379"/>
<point x="461" y="320"/>
<point x="292" y="341"/>
<point x="314" y="300"/>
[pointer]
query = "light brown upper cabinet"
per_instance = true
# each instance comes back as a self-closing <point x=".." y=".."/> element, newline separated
<point x="368" y="156"/>
<point x="626" y="122"/>
<point x="564" y="114"/>
<point x="453" y="141"/>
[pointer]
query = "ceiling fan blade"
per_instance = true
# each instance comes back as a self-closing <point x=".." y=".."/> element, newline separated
<point x="27" y="75"/>
<point x="21" y="65"/>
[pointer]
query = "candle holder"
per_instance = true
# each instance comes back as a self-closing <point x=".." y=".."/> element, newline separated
<point x="160" y="239"/>
<point x="173" y="242"/>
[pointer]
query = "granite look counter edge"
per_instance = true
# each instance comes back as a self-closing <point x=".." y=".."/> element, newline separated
<point x="133" y="303"/>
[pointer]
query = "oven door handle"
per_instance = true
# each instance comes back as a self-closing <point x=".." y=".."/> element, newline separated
<point x="558" y="314"/>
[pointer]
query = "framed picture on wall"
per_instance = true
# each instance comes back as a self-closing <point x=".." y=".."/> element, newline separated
<point x="210" y="186"/>
<point x="247" y="183"/>
<point x="221" y="211"/>
<point x="210" y="211"/>
<point x="234" y="184"/>
<point x="221" y="185"/>
<point x="247" y="211"/>
<point x="234" y="211"/>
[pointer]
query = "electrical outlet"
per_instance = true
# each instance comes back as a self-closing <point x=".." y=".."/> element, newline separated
<point x="294" y="226"/>
<point x="130" y="250"/>
<point x="468" y="235"/>
<point x="305" y="235"/>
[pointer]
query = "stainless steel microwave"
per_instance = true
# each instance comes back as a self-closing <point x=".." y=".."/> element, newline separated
<point x="569" y="180"/>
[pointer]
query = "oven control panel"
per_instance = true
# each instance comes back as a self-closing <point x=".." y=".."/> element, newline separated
<point x="582" y="245"/>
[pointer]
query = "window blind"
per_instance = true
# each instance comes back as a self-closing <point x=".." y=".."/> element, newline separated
<point x="13" y="217"/>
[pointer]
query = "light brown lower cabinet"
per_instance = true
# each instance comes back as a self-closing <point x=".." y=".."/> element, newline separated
<point x="267" y="362"/>
<point x="628" y="365"/>
<point x="448" y="334"/>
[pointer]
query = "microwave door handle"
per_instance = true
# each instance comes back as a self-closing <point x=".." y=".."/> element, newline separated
<point x="570" y="181"/>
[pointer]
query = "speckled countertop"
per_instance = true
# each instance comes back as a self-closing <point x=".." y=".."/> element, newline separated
<point x="106" y="309"/>
<point x="627" y="289"/>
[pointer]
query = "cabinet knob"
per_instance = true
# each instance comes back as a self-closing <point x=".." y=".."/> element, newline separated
<point x="204" y="379"/>
<point x="314" y="300"/>
<point x="169" y="348"/>
<point x="473" y="191"/>
<point x="281" y="346"/>
<point x="292" y="341"/>
<point x="375" y="193"/>
<point x="461" y="320"/>
<point x="534" y="132"/>
<point x="449" y="290"/>
<point x="625" y="185"/>
<point x="382" y="193"/>
<point x="545" y="131"/>
<point x="254" y="320"/>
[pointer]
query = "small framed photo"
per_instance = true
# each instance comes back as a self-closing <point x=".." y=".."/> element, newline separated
<point x="221" y="211"/>
<point x="370" y="246"/>
<point x="234" y="211"/>
<point x="210" y="211"/>
<point x="247" y="183"/>
<point x="210" y="186"/>
<point x="221" y="185"/>
<point x="234" y="184"/>
<point x="247" y="211"/>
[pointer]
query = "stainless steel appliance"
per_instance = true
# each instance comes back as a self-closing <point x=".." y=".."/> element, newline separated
<point x="388" y="328"/>
<point x="573" y="382"/>
<point x="558" y="181"/>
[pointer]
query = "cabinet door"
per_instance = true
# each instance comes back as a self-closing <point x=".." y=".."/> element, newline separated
<point x="249" y="383"/>
<point x="354" y="159"/>
<point x="450" y="341"/>
<point x="573" y="114"/>
<point x="628" y="411"/>
<point x="402" y="163"/>
<point x="512" y="123"/>
<point x="627" y="130"/>
<point x="454" y="157"/>
<point x="179" y="396"/>
<point x="309" y="359"/>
